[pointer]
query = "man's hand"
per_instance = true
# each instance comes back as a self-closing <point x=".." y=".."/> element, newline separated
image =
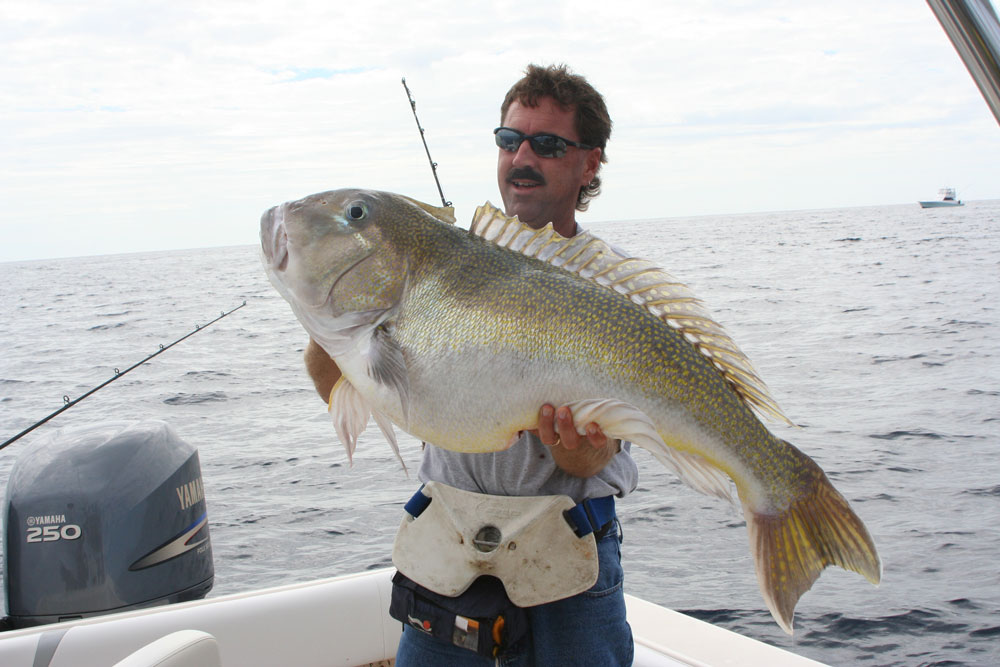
<point x="575" y="454"/>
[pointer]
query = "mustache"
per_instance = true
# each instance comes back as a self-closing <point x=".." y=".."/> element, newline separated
<point x="525" y="174"/>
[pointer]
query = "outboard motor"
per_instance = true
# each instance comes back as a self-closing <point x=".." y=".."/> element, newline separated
<point x="105" y="518"/>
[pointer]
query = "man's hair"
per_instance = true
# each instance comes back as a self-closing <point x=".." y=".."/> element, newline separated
<point x="570" y="91"/>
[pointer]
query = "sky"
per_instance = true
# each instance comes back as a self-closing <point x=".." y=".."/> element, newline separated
<point x="132" y="126"/>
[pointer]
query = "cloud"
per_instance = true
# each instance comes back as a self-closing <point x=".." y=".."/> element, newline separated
<point x="129" y="127"/>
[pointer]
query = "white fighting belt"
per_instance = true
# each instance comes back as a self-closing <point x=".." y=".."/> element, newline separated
<point x="524" y="541"/>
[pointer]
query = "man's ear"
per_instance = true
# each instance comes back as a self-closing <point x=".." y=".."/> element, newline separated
<point x="593" y="163"/>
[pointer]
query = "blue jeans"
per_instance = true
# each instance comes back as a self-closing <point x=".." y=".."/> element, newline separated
<point x="586" y="629"/>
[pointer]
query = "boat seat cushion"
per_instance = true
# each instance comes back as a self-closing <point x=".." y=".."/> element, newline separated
<point x="185" y="648"/>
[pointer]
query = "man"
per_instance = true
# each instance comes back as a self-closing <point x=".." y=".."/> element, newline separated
<point x="554" y="128"/>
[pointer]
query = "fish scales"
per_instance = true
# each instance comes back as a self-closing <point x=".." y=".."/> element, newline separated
<point x="458" y="337"/>
<point x="514" y="301"/>
<point x="518" y="298"/>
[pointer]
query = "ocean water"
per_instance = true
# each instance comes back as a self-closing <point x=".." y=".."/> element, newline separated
<point x="876" y="328"/>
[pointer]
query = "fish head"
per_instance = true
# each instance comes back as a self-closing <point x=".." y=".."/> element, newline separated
<point x="329" y="252"/>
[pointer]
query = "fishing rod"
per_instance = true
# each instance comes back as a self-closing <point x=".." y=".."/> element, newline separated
<point x="163" y="348"/>
<point x="434" y="165"/>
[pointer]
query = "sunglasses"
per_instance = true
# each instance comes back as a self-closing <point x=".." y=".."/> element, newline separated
<point x="544" y="145"/>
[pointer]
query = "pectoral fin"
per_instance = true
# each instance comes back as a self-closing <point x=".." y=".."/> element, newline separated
<point x="386" y="364"/>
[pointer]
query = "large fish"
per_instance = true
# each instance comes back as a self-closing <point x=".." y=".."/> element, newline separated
<point x="458" y="337"/>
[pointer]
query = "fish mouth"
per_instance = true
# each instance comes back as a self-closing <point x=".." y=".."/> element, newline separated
<point x="274" y="238"/>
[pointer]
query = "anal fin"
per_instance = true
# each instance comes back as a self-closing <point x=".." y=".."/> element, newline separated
<point x="621" y="420"/>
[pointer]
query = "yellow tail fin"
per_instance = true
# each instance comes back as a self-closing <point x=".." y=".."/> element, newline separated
<point x="791" y="549"/>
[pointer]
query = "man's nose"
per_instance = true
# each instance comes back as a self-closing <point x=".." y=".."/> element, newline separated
<point x="524" y="155"/>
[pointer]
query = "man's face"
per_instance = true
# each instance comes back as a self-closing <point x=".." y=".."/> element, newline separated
<point x="541" y="190"/>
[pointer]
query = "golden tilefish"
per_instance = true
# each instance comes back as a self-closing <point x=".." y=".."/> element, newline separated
<point x="459" y="336"/>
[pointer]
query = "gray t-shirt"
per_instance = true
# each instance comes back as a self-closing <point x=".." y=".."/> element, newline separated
<point x="526" y="469"/>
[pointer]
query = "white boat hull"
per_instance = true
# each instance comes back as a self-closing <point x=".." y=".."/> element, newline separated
<point x="940" y="204"/>
<point x="339" y="621"/>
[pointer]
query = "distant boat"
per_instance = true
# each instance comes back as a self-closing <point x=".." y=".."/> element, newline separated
<point x="946" y="197"/>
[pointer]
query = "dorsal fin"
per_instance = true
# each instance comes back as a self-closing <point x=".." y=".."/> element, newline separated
<point x="442" y="213"/>
<point x="642" y="283"/>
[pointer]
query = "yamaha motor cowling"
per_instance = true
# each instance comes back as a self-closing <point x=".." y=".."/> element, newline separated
<point x="105" y="518"/>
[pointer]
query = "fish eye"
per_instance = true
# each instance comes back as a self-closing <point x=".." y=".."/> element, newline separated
<point x="356" y="211"/>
